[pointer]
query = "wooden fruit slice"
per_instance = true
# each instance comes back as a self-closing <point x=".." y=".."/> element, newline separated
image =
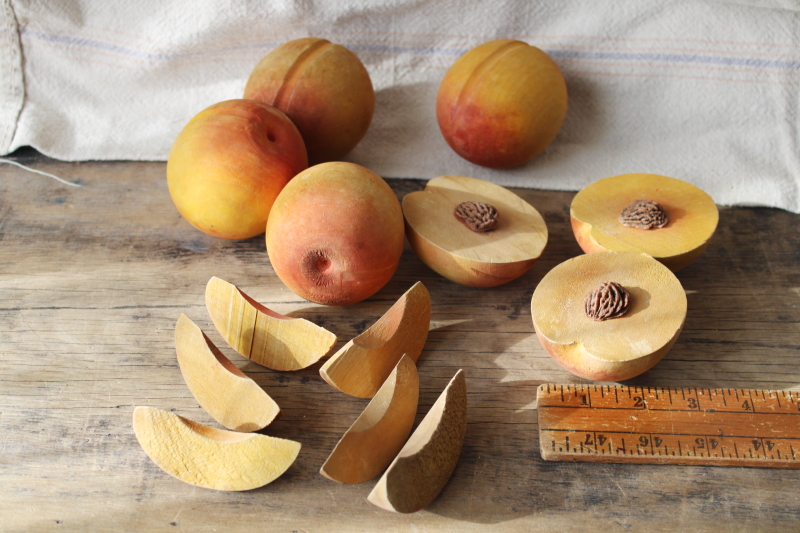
<point x="208" y="457"/>
<point x="230" y="397"/>
<point x="424" y="465"/>
<point x="691" y="216"/>
<point x="616" y="348"/>
<point x="262" y="335"/>
<point x="473" y="257"/>
<point x="380" y="432"/>
<point x="361" y="366"/>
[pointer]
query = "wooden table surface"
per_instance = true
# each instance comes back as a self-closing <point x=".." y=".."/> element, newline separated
<point x="93" y="279"/>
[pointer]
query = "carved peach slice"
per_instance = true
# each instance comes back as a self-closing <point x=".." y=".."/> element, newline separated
<point x="424" y="465"/>
<point x="674" y="223"/>
<point x="600" y="332"/>
<point x="380" y="432"/>
<point x="208" y="457"/>
<point x="229" y="396"/>
<point x="361" y="366"/>
<point x="262" y="335"/>
<point x="472" y="231"/>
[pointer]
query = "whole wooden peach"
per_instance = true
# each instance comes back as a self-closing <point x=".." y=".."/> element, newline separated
<point x="335" y="234"/>
<point x="228" y="165"/>
<point x="325" y="90"/>
<point x="501" y="103"/>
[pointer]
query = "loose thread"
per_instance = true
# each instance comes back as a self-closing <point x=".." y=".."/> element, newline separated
<point x="65" y="182"/>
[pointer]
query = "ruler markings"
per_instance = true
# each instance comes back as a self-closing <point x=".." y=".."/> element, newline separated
<point x="659" y="430"/>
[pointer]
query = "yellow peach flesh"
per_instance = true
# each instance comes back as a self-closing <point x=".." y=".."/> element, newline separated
<point x="693" y="218"/>
<point x="614" y="349"/>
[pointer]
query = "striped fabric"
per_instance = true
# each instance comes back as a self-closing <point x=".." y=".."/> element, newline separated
<point x="706" y="91"/>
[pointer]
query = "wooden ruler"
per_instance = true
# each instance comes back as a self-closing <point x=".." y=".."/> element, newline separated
<point x="687" y="426"/>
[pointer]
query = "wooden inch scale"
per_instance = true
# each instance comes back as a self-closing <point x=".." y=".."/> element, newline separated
<point x="665" y="425"/>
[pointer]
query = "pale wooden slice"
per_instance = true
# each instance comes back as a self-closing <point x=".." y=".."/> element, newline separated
<point x="208" y="457"/>
<point x="692" y="218"/>
<point x="265" y="337"/>
<point x="618" y="348"/>
<point x="225" y="392"/>
<point x="424" y="465"/>
<point x="477" y="259"/>
<point x="361" y="366"/>
<point x="380" y="432"/>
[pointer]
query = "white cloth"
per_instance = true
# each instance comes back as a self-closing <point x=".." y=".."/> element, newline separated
<point x="706" y="91"/>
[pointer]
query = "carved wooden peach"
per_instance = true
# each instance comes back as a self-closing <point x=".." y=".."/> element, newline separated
<point x="462" y="251"/>
<point x="501" y="103"/>
<point x="374" y="439"/>
<point x="208" y="457"/>
<point x="265" y="337"/>
<point x="224" y="391"/>
<point x="228" y="165"/>
<point x="691" y="218"/>
<point x="335" y="234"/>
<point x="424" y="465"/>
<point x="362" y="365"/>
<point x="615" y="348"/>
<point x="325" y="90"/>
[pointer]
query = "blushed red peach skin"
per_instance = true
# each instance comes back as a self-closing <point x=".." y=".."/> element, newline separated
<point x="228" y="165"/>
<point x="335" y="235"/>
<point x="501" y="103"/>
<point x="323" y="88"/>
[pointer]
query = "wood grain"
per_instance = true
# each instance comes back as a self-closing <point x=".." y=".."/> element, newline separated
<point x="92" y="280"/>
<point x="669" y="425"/>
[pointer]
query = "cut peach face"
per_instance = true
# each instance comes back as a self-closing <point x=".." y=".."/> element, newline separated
<point x="501" y="103"/>
<point x="265" y="337"/>
<point x="228" y="165"/>
<point x="325" y="90"/>
<point x="687" y="218"/>
<point x="209" y="457"/>
<point x="472" y="231"/>
<point x="590" y="332"/>
<point x="224" y="391"/>
<point x="424" y="465"/>
<point x="335" y="235"/>
<point x="362" y="365"/>
<point x="371" y="443"/>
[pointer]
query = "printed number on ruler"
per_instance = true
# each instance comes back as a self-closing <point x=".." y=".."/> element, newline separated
<point x="723" y="427"/>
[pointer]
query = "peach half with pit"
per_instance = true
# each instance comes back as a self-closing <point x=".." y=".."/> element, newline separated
<point x="472" y="231"/>
<point x="664" y="217"/>
<point x="323" y="87"/>
<point x="335" y="234"/>
<point x="228" y="164"/>
<point x="501" y="103"/>
<point x="608" y="316"/>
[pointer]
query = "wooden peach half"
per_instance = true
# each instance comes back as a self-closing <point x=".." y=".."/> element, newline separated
<point x="362" y="365"/>
<point x="265" y="337"/>
<point x="692" y="214"/>
<point x="225" y="392"/>
<point x="376" y="437"/>
<point x="209" y="457"/>
<point x="618" y="348"/>
<point x="424" y="465"/>
<point x="476" y="259"/>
